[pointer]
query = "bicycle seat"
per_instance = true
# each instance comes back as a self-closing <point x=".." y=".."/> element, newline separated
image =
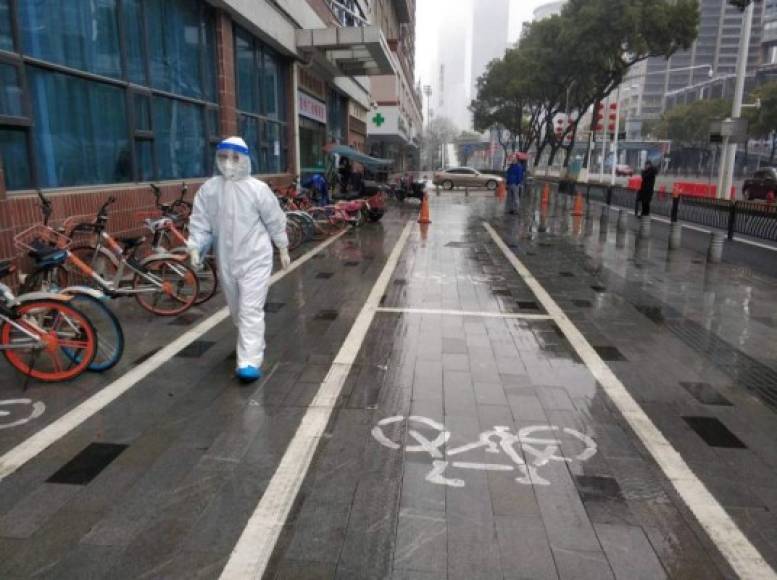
<point x="132" y="241"/>
<point x="50" y="258"/>
<point x="6" y="267"/>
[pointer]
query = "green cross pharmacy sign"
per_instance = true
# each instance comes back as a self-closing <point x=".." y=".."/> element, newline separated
<point x="378" y="119"/>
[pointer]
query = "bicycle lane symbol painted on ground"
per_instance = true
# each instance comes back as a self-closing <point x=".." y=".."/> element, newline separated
<point x="527" y="442"/>
<point x="12" y="413"/>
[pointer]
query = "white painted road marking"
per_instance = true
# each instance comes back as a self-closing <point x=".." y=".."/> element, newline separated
<point x="496" y="440"/>
<point x="36" y="410"/>
<point x="53" y="432"/>
<point x="516" y="315"/>
<point x="252" y="553"/>
<point x="743" y="557"/>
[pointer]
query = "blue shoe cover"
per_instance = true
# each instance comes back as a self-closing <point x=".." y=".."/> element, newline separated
<point x="249" y="374"/>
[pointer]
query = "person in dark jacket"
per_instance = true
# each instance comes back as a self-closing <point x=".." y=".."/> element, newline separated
<point x="514" y="178"/>
<point x="646" y="189"/>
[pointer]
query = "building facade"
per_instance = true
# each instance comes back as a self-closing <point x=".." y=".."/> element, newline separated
<point x="707" y="70"/>
<point x="101" y="97"/>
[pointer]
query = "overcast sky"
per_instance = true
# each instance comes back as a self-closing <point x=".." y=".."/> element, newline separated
<point x="427" y="18"/>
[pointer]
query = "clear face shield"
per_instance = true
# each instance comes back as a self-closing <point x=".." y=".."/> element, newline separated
<point x="232" y="164"/>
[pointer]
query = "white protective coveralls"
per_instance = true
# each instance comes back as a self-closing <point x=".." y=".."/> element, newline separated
<point x="241" y="216"/>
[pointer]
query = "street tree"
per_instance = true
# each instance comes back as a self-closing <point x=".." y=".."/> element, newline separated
<point x="567" y="63"/>
<point x="688" y="127"/>
<point x="763" y="121"/>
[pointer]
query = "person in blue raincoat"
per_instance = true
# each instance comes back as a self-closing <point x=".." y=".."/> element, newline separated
<point x="514" y="178"/>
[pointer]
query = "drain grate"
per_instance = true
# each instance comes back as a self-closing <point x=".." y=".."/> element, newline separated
<point x="327" y="315"/>
<point x="88" y="464"/>
<point x="714" y="433"/>
<point x="185" y="319"/>
<point x="196" y="349"/>
<point x="144" y="357"/>
<point x="653" y="313"/>
<point x="610" y="353"/>
<point x="705" y="394"/>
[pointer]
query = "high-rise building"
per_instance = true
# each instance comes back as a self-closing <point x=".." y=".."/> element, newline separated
<point x="469" y="37"/>
<point x="707" y="69"/>
<point x="767" y="69"/>
<point x="490" y="24"/>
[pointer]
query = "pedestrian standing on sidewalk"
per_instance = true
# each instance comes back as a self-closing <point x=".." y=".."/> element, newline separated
<point x="515" y="173"/>
<point x="646" y="189"/>
<point x="243" y="218"/>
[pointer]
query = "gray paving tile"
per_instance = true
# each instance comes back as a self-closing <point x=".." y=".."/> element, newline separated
<point x="524" y="548"/>
<point x="30" y="513"/>
<point x="422" y="541"/>
<point x="580" y="565"/>
<point x="629" y="552"/>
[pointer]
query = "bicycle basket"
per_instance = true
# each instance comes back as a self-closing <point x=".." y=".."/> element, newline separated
<point x="39" y="237"/>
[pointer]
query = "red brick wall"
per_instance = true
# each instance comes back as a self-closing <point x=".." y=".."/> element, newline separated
<point x="226" y="81"/>
<point x="20" y="212"/>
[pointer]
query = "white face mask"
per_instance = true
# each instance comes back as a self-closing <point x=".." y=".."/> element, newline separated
<point x="228" y="168"/>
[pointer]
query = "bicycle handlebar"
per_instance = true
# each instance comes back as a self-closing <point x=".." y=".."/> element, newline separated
<point x="102" y="213"/>
<point x="45" y="207"/>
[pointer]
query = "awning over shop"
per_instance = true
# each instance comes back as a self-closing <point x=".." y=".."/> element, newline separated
<point x="353" y="50"/>
<point x="358" y="156"/>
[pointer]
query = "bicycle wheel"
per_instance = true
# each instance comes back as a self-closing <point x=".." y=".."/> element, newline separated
<point x="57" y="326"/>
<point x="110" y="335"/>
<point x="305" y="222"/>
<point x="175" y="284"/>
<point x="99" y="260"/>
<point x="294" y="233"/>
<point x="207" y="276"/>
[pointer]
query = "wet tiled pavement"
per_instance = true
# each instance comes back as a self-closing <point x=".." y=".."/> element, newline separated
<point x="469" y="439"/>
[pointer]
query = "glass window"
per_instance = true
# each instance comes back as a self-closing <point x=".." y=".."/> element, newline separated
<point x="80" y="130"/>
<point x="179" y="139"/>
<point x="246" y="73"/>
<point x="81" y="34"/>
<point x="133" y="32"/>
<point x="210" y="75"/>
<point x="175" y="43"/>
<point x="13" y="152"/>
<point x="6" y="37"/>
<point x="10" y="91"/>
<point x="271" y="148"/>
<point x="213" y="122"/>
<point x="271" y="87"/>
<point x="312" y="138"/>
<point x="144" y="160"/>
<point x="142" y="112"/>
<point x="249" y="130"/>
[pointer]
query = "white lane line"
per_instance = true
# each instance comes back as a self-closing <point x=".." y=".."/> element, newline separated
<point x="444" y="312"/>
<point x="253" y="550"/>
<point x="14" y="458"/>
<point x="743" y="557"/>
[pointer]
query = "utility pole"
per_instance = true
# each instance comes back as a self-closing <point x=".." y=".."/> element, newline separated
<point x="729" y="152"/>
<point x="615" y="137"/>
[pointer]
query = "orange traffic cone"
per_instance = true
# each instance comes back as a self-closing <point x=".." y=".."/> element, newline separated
<point x="424" y="217"/>
<point x="546" y="195"/>
<point x="501" y="190"/>
<point x="578" y="209"/>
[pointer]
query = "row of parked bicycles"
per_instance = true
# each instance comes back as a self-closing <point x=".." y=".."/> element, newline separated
<point x="60" y="324"/>
<point x="308" y="219"/>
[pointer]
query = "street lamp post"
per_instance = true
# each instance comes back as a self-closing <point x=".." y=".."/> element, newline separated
<point x="729" y="154"/>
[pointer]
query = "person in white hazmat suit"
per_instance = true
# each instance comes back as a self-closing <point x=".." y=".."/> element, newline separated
<point x="241" y="216"/>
